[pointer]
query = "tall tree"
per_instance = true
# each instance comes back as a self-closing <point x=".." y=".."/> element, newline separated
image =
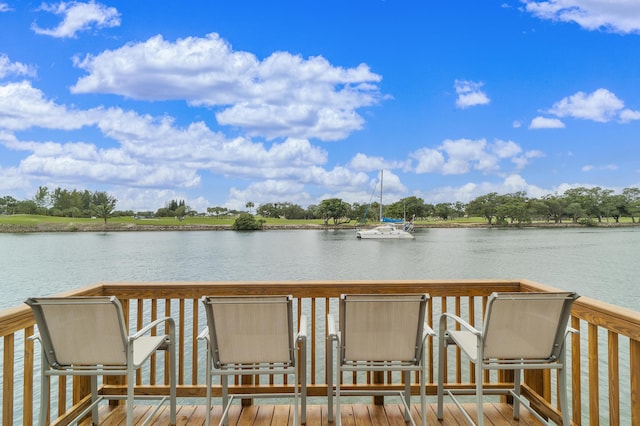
<point x="485" y="206"/>
<point x="336" y="209"/>
<point x="103" y="205"/>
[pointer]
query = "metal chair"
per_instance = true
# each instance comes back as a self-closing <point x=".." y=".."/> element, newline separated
<point x="379" y="333"/>
<point x="253" y="335"/>
<point x="521" y="331"/>
<point x="87" y="336"/>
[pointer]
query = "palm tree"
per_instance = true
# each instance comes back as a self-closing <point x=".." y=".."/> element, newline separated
<point x="249" y="205"/>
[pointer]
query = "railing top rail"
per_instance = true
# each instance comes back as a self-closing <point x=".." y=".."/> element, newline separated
<point x="617" y="319"/>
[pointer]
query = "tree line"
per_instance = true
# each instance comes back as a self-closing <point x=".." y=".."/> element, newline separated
<point x="62" y="202"/>
<point x="577" y="205"/>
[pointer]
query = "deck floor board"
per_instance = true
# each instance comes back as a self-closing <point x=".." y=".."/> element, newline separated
<point x="496" y="414"/>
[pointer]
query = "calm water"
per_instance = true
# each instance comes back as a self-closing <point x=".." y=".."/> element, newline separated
<point x="600" y="263"/>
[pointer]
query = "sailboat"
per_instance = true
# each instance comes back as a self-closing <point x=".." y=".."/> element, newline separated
<point x="389" y="228"/>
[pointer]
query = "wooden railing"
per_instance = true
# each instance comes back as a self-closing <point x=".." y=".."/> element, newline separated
<point x="604" y="384"/>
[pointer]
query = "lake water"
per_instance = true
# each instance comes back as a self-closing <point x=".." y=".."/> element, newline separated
<point x="599" y="263"/>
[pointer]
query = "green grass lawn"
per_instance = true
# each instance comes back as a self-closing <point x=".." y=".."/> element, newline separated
<point x="29" y="221"/>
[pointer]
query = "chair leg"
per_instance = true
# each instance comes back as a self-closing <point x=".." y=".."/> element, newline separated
<point x="303" y="382"/>
<point x="562" y="383"/>
<point x="479" y="394"/>
<point x="130" y="392"/>
<point x="442" y="353"/>
<point x="208" y="379"/>
<point x="330" y="380"/>
<point x="338" y="416"/>
<point x="45" y="382"/>
<point x="296" y="397"/>
<point x="94" y="397"/>
<point x="423" y="396"/>
<point x="225" y="399"/>
<point x="172" y="381"/>
<point x="516" y="390"/>
<point x="407" y="396"/>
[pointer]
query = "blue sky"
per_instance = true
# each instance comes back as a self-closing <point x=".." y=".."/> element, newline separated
<point x="220" y="103"/>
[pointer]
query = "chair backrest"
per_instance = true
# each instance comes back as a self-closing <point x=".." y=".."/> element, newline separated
<point x="81" y="330"/>
<point x="529" y="326"/>
<point x="380" y="327"/>
<point x="250" y="329"/>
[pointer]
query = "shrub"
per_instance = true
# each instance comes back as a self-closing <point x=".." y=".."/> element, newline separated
<point x="247" y="222"/>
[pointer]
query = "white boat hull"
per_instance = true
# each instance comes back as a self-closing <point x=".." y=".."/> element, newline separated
<point x="383" y="232"/>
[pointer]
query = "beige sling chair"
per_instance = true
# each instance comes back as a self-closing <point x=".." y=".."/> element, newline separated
<point x="521" y="331"/>
<point x="87" y="336"/>
<point x="379" y="332"/>
<point x="254" y="335"/>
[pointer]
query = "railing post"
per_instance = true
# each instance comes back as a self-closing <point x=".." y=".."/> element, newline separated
<point x="634" y="360"/>
<point x="246" y="380"/>
<point x="7" y="375"/>
<point x="378" y="378"/>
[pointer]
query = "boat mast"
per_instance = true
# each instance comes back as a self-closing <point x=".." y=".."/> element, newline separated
<point x="381" y="174"/>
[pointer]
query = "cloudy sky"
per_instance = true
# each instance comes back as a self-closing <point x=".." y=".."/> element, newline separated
<point x="220" y="103"/>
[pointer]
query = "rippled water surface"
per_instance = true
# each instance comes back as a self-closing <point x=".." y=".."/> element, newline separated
<point x="599" y="263"/>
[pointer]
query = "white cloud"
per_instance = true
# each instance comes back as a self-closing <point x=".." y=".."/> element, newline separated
<point x="149" y="152"/>
<point x="619" y="16"/>
<point x="321" y="99"/>
<point x="455" y="157"/>
<point x="469" y="94"/>
<point x="601" y="106"/>
<point x="268" y="191"/>
<point x="605" y="167"/>
<point x="365" y="163"/>
<point x="429" y="160"/>
<point x="467" y="192"/>
<point x="22" y="107"/>
<point x="4" y="7"/>
<point x="506" y="149"/>
<point x="78" y="16"/>
<point x="546" y="123"/>
<point x="14" y="68"/>
<point x="341" y="182"/>
<point x="12" y="180"/>
<point x="627" y="115"/>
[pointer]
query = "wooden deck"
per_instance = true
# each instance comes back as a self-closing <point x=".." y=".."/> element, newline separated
<point x="355" y="414"/>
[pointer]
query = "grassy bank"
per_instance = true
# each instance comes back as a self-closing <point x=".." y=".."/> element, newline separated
<point x="36" y="223"/>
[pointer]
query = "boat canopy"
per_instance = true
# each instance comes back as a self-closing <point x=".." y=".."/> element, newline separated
<point x="390" y="220"/>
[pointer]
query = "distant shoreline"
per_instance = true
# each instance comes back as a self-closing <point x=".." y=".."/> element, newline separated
<point x="132" y="227"/>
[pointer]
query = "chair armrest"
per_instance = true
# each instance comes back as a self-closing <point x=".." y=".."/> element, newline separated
<point x="302" y="332"/>
<point x="463" y="323"/>
<point x="331" y="327"/>
<point x="428" y="330"/>
<point x="204" y="334"/>
<point x="144" y="330"/>
<point x="570" y="330"/>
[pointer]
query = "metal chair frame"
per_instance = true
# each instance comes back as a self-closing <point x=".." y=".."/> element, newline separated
<point x="413" y="361"/>
<point x="486" y="348"/>
<point x="121" y="358"/>
<point x="287" y="364"/>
